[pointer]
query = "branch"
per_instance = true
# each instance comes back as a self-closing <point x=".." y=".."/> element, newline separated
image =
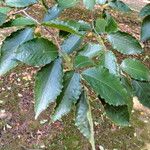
<point x="63" y="54"/>
<point x="98" y="37"/>
<point x="26" y="14"/>
<point x="23" y="11"/>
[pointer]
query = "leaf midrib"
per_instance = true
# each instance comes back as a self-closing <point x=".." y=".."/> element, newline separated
<point x="107" y="85"/>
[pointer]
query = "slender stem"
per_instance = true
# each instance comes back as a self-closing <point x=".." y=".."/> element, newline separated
<point x="23" y="11"/>
<point x="100" y="40"/>
<point x="19" y="11"/>
<point x="26" y="14"/>
<point x="63" y="54"/>
<point x="98" y="37"/>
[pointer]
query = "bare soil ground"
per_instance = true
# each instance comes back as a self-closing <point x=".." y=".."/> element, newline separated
<point x="136" y="4"/>
<point x="19" y="130"/>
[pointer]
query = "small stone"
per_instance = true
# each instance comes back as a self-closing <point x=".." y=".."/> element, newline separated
<point x="18" y="80"/>
<point x="3" y="89"/>
<point x="101" y="148"/>
<point x="142" y="113"/>
<point x="43" y="121"/>
<point x="145" y="121"/>
<point x="9" y="88"/>
<point x="1" y="102"/>
<point x="135" y="134"/>
<point x="8" y="126"/>
<point x="96" y="123"/>
<point x="20" y="95"/>
<point x="42" y="146"/>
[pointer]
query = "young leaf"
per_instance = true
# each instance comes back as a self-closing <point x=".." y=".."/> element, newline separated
<point x="119" y="5"/>
<point x="37" y="52"/>
<point x="9" y="47"/>
<point x="91" y="50"/>
<point x="145" y="29"/>
<point x="69" y="95"/>
<point x="20" y="3"/>
<point x="84" y="120"/>
<point x="125" y="43"/>
<point x="53" y="13"/>
<point x="109" y="61"/>
<point x="71" y="43"/>
<point x="89" y="4"/>
<point x="69" y="26"/>
<point x="82" y="62"/>
<point x="48" y="85"/>
<point x="136" y="69"/>
<point x="145" y="11"/>
<point x="142" y="91"/>
<point x="106" y="85"/>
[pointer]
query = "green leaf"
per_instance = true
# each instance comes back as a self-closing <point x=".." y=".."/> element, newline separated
<point x="3" y="18"/>
<point x="142" y="91"/>
<point x="136" y="69"/>
<point x="3" y="14"/>
<point x="127" y="84"/>
<point x="84" y="26"/>
<point x="100" y="25"/>
<point x="53" y="13"/>
<point x="89" y="4"/>
<point x="82" y="62"/>
<point x="71" y="44"/>
<point x="48" y="85"/>
<point x="145" y="11"/>
<point x="111" y="24"/>
<point x="125" y="43"/>
<point x="20" y="3"/>
<point x="109" y="61"/>
<point x="37" y="52"/>
<point x="145" y="29"/>
<point x="22" y="21"/>
<point x="106" y="85"/>
<point x="91" y="50"/>
<point x="5" y="10"/>
<point x="101" y="2"/>
<point x="67" y="3"/>
<point x="119" y="5"/>
<point x="106" y="24"/>
<point x="84" y="120"/>
<point x="9" y="47"/>
<point x="69" y="26"/>
<point x="118" y="114"/>
<point x="69" y="95"/>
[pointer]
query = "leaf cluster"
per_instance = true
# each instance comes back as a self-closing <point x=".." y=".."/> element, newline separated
<point x="70" y="67"/>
